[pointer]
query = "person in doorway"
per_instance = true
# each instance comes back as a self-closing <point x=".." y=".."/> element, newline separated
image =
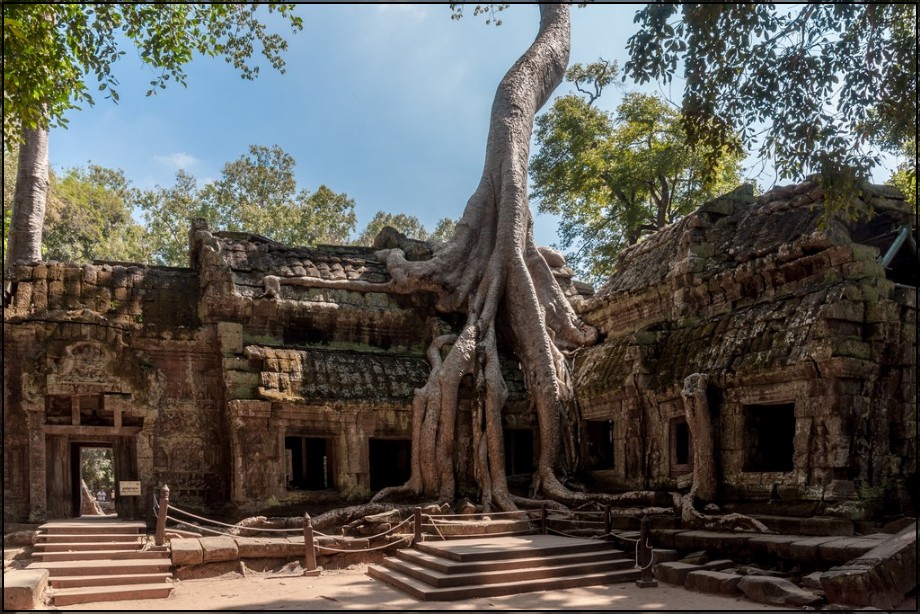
<point x="100" y="496"/>
<point x="112" y="495"/>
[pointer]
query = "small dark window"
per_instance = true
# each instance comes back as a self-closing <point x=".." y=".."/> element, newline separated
<point x="600" y="444"/>
<point x="770" y="436"/>
<point x="390" y="462"/>
<point x="308" y="463"/>
<point x="518" y="451"/>
<point x="680" y="446"/>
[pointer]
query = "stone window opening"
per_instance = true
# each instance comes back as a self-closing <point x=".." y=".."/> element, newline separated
<point x="390" y="462"/>
<point x="680" y="446"/>
<point x="769" y="432"/>
<point x="308" y="463"/>
<point x="600" y="444"/>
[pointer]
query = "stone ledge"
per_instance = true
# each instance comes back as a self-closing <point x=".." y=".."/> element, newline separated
<point x="23" y="588"/>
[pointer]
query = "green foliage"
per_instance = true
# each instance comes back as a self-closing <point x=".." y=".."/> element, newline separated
<point x="52" y="51"/>
<point x="88" y="216"/>
<point x="443" y="230"/>
<point x="820" y="88"/>
<point x="257" y="193"/>
<point x="491" y="9"/>
<point x="905" y="177"/>
<point x="409" y="225"/>
<point x="168" y="213"/>
<point x="97" y="469"/>
<point x="614" y="177"/>
<point x="10" y="168"/>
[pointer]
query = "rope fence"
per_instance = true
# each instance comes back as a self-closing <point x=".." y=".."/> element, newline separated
<point x="643" y="558"/>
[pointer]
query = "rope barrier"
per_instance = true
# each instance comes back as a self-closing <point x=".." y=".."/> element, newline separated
<point x="233" y="526"/>
<point x="328" y="549"/>
<point x="435" y="525"/>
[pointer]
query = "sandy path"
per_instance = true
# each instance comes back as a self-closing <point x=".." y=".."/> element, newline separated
<point x="352" y="589"/>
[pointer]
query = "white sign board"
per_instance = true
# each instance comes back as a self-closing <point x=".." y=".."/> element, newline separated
<point x="129" y="489"/>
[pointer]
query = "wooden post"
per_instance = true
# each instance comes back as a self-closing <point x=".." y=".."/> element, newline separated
<point x="309" y="546"/>
<point x="160" y="537"/>
<point x="543" y="519"/>
<point x="646" y="580"/>
<point x="417" y="514"/>
<point x="607" y="519"/>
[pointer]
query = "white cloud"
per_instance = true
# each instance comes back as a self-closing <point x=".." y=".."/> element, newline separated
<point x="178" y="160"/>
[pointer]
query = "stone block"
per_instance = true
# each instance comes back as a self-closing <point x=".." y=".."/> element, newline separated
<point x="219" y="548"/>
<point x="807" y="549"/>
<point x="676" y="572"/>
<point x="777" y="591"/>
<point x="881" y="577"/>
<point x="186" y="551"/>
<point x="253" y="548"/>
<point x="843" y="550"/>
<point x="23" y="588"/>
<point x="712" y="582"/>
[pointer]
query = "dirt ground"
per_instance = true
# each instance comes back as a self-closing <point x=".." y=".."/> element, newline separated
<point x="353" y="589"/>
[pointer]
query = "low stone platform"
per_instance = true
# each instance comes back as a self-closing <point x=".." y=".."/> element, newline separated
<point x="828" y="550"/>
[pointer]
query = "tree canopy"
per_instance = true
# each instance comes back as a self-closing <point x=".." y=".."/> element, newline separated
<point x="818" y="88"/>
<point x="409" y="225"/>
<point x="613" y="177"/>
<point x="256" y="193"/>
<point x="53" y="51"/>
<point x="89" y="217"/>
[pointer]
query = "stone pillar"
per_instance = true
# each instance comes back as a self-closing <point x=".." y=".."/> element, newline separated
<point x="38" y="504"/>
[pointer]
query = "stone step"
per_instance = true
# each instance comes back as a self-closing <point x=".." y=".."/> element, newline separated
<point x="453" y="528"/>
<point x="91" y="555"/>
<point x="92" y="527"/>
<point x="102" y="567"/>
<point x="87" y="537"/>
<point x="85" y="546"/>
<point x="492" y="549"/>
<point x="544" y="571"/>
<point x="108" y="580"/>
<point x="93" y="594"/>
<point x="813" y="526"/>
<point x="446" y="565"/>
<point x="425" y="592"/>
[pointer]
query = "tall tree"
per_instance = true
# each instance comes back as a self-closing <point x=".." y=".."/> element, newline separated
<point x="258" y="193"/>
<point x="409" y="225"/>
<point x="833" y="84"/>
<point x="89" y="217"/>
<point x="614" y="177"/>
<point x="168" y="213"/>
<point x="52" y="50"/>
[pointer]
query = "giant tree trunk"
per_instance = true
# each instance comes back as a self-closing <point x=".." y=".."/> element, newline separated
<point x="492" y="272"/>
<point x="25" y="241"/>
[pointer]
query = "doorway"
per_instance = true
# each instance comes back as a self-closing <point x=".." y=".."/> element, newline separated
<point x="95" y="471"/>
<point x="93" y="466"/>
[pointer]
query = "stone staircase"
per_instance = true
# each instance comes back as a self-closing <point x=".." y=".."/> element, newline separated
<point x="488" y="567"/>
<point x="91" y="560"/>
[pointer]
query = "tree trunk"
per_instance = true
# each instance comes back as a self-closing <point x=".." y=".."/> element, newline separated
<point x="699" y="422"/>
<point x="25" y="240"/>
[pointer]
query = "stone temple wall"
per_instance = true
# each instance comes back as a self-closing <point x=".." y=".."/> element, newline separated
<point x="809" y="349"/>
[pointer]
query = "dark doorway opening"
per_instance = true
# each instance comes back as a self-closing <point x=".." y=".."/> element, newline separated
<point x="519" y="451"/>
<point x="309" y="463"/>
<point x="600" y="444"/>
<point x="770" y="432"/>
<point x="680" y="446"/>
<point x="390" y="462"/>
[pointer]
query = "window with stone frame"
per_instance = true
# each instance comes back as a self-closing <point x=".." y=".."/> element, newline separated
<point x="680" y="446"/>
<point x="308" y="462"/>
<point x="390" y="461"/>
<point x="769" y="432"/>
<point x="599" y="453"/>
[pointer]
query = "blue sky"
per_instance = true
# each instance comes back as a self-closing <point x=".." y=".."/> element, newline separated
<point x="388" y="103"/>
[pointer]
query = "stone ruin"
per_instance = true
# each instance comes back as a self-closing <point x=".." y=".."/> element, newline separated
<point x="245" y="402"/>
